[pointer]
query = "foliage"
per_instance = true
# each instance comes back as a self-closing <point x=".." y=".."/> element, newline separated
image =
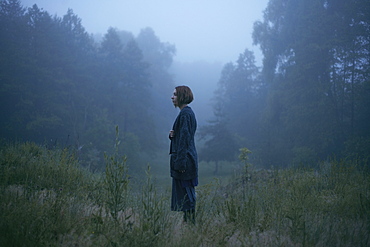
<point x="159" y="56"/>
<point x="243" y="157"/>
<point x="44" y="194"/>
<point x="310" y="100"/>
<point x="116" y="181"/>
<point x="318" y="54"/>
<point x="60" y="87"/>
<point x="153" y="216"/>
<point x="328" y="206"/>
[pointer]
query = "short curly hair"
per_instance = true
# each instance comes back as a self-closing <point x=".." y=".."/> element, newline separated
<point x="184" y="95"/>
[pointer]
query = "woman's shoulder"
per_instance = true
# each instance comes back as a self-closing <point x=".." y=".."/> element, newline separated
<point x="186" y="111"/>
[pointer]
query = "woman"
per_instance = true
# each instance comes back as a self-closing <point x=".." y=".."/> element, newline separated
<point x="184" y="158"/>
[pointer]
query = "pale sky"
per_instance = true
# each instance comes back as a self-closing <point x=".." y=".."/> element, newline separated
<point x="201" y="30"/>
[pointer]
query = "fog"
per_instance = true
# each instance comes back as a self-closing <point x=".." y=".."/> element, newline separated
<point x="207" y="34"/>
<point x="309" y="103"/>
<point x="201" y="30"/>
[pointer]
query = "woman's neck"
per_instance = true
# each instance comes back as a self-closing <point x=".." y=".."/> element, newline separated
<point x="182" y="107"/>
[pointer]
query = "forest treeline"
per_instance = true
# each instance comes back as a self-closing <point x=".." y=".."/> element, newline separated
<point x="61" y="87"/>
<point x="310" y="101"/>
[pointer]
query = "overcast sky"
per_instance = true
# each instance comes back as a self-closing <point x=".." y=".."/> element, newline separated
<point x="201" y="30"/>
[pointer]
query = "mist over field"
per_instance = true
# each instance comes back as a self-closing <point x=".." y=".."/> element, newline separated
<point x="207" y="31"/>
<point x="288" y="81"/>
<point x="281" y="96"/>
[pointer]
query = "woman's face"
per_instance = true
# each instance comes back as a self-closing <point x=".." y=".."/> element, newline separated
<point x="174" y="98"/>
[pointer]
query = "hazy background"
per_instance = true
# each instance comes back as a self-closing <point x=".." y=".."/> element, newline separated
<point x="309" y="102"/>
<point x="207" y="34"/>
<point x="63" y="96"/>
<point x="212" y="31"/>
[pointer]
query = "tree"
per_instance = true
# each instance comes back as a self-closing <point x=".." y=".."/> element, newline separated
<point x="220" y="144"/>
<point x="159" y="56"/>
<point x="242" y="99"/>
<point x="303" y="66"/>
<point x="238" y="102"/>
<point x="57" y="84"/>
<point x="13" y="64"/>
<point x="125" y="91"/>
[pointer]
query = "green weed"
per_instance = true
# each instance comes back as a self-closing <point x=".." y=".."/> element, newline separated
<point x="47" y="199"/>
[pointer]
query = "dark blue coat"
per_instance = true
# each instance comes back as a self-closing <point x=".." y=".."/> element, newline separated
<point x="183" y="153"/>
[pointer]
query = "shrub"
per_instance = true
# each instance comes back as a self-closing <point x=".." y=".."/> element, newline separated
<point x="47" y="199"/>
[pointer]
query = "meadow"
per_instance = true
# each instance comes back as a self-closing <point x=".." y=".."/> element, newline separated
<point x="48" y="199"/>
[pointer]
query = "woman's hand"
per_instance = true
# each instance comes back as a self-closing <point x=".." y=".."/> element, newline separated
<point x="172" y="133"/>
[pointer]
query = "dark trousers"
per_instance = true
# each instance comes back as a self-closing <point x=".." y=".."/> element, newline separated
<point x="183" y="198"/>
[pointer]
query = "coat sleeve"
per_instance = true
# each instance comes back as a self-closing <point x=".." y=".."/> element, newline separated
<point x="184" y="136"/>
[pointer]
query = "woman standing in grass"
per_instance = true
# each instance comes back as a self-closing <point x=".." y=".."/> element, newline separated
<point x="184" y="158"/>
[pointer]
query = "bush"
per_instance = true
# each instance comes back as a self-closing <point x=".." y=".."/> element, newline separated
<point x="47" y="199"/>
<point x="44" y="194"/>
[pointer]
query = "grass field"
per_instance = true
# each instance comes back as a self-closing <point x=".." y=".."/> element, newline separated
<point x="47" y="199"/>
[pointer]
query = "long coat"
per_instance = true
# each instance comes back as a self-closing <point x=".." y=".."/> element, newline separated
<point x="182" y="149"/>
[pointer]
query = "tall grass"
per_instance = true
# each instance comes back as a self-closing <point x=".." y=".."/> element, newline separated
<point x="47" y="199"/>
<point x="43" y="196"/>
